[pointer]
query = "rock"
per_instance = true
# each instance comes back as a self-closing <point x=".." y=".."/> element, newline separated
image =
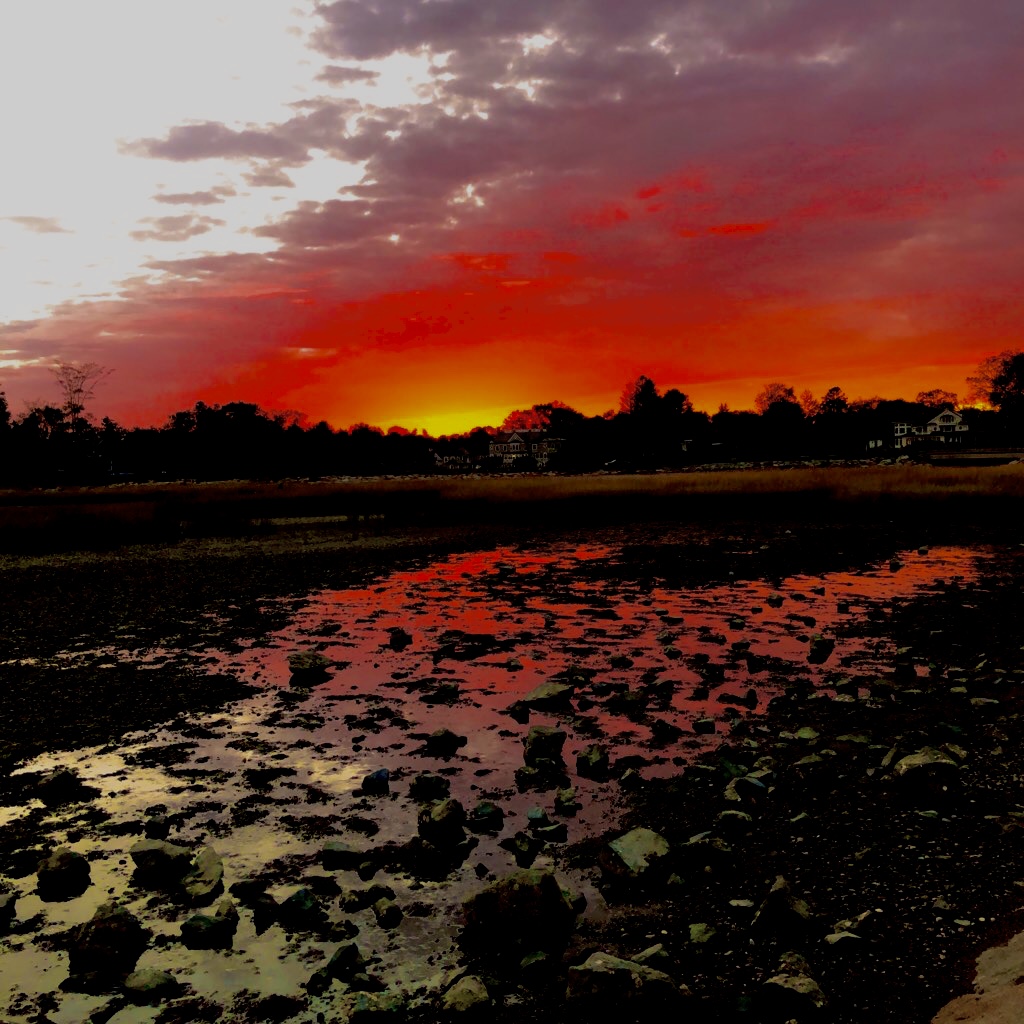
<point x="387" y="913"/>
<point x="302" y="911"/>
<point x="444" y="743"/>
<point x="469" y="994"/>
<point x="338" y="855"/>
<point x="377" y="783"/>
<point x="205" y="879"/>
<point x="549" y="696"/>
<point x="62" y="786"/>
<point x="354" y="900"/>
<point x="566" y="803"/>
<point x="486" y="817"/>
<point x="308" y="667"/>
<point x="441" y="823"/>
<point x="151" y="986"/>
<point x="399" y="639"/>
<point x="793" y="994"/>
<point x="63" y="875"/>
<point x="526" y="908"/>
<point x="558" y="832"/>
<point x="156" y="827"/>
<point x="704" y="726"/>
<point x="634" y="856"/>
<point x="593" y="762"/>
<point x="542" y="745"/>
<point x="783" y="915"/>
<point x="537" y="817"/>
<point x="211" y="931"/>
<point x="108" y="944"/>
<point x="612" y="981"/>
<point x="524" y="847"/>
<point x="427" y="786"/>
<point x="702" y="933"/>
<point x="928" y="774"/>
<point x="8" y="904"/>
<point x="160" y="863"/>
<point x="820" y="650"/>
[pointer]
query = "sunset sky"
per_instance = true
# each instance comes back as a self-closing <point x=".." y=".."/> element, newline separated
<point x="430" y="212"/>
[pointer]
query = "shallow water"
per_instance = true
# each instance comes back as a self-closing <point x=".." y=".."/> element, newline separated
<point x="486" y="628"/>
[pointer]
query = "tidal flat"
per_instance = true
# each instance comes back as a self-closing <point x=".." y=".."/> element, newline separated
<point x="312" y="767"/>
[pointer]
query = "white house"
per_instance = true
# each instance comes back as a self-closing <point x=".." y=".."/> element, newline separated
<point x="945" y="426"/>
<point x="513" y="445"/>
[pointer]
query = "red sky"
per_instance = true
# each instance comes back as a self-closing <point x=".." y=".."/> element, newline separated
<point x="715" y="194"/>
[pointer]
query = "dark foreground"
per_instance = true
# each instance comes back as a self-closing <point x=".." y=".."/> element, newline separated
<point x="896" y="872"/>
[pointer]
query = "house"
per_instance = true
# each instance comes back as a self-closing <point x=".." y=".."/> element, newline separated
<point x="511" y="446"/>
<point x="945" y="427"/>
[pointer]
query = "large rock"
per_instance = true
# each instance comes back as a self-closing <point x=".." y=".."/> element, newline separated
<point x="205" y="879"/>
<point x="549" y="696"/>
<point x="592" y="762"/>
<point x="108" y="944"/>
<point x="444" y="743"/>
<point x="929" y="774"/>
<point x="8" y="904"/>
<point x="543" y="746"/>
<point x="468" y="995"/>
<point x="211" y="931"/>
<point x="792" y="994"/>
<point x="524" y="910"/>
<point x="159" y="863"/>
<point x="340" y="855"/>
<point x="820" y="650"/>
<point x="441" y="823"/>
<point x="302" y="911"/>
<point x="63" y="875"/>
<point x="308" y="667"/>
<point x="637" y="855"/>
<point x="62" y="786"/>
<point x="151" y="986"/>
<point x="608" y="980"/>
<point x="783" y="915"/>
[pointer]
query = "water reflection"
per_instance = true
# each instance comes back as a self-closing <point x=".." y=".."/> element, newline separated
<point x="656" y="672"/>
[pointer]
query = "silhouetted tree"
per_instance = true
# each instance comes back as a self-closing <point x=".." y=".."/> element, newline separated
<point x="982" y="383"/>
<point x="78" y="383"/>
<point x="773" y="393"/>
<point x="833" y="403"/>
<point x="937" y="398"/>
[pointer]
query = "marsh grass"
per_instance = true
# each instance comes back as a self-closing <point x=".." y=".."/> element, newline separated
<point x="110" y="517"/>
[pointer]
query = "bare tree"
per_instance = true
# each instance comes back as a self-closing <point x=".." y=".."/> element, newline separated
<point x="78" y="383"/>
<point x="773" y="393"/>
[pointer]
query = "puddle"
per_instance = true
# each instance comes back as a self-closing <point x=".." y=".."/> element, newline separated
<point x="450" y="645"/>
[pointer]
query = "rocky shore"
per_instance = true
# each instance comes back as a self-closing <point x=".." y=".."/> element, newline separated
<point x="842" y="856"/>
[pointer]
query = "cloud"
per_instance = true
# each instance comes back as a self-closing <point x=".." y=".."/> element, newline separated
<point x="209" y="197"/>
<point x="211" y="139"/>
<point x="727" y="189"/>
<point x="39" y="225"/>
<point x="334" y="74"/>
<point x="268" y="176"/>
<point x="175" y="229"/>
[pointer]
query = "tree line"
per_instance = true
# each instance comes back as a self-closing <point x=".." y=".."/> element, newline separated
<point x="63" y="443"/>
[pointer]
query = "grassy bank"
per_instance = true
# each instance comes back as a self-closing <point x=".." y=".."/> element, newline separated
<point x="105" y="517"/>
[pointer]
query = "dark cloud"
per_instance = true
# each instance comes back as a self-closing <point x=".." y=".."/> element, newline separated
<point x="334" y="74"/>
<point x="175" y="229"/>
<point x="39" y="225"/>
<point x="209" y="197"/>
<point x="751" y="177"/>
<point x="268" y="176"/>
<point x="212" y="139"/>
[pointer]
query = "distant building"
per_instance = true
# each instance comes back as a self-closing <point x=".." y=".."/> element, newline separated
<point x="514" y="445"/>
<point x="944" y="427"/>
